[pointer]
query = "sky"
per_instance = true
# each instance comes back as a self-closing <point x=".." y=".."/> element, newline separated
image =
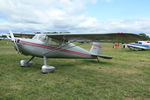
<point x="77" y="16"/>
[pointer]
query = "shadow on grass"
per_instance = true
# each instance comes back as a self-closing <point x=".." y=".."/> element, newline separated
<point x="66" y="63"/>
<point x="62" y="64"/>
<point x="128" y="50"/>
<point x="94" y="61"/>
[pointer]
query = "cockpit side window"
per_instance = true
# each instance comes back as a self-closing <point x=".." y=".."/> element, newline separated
<point x="47" y="40"/>
<point x="41" y="37"/>
<point x="53" y="42"/>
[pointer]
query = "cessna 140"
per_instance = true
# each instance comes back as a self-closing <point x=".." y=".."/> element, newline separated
<point x="140" y="45"/>
<point x="60" y="46"/>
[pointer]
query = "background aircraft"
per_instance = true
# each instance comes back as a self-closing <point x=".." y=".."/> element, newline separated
<point x="60" y="46"/>
<point x="140" y="45"/>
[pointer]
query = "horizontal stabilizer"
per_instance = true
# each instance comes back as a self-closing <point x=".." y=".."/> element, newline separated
<point x="105" y="57"/>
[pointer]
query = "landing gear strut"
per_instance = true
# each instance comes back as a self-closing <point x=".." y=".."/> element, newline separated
<point x="98" y="60"/>
<point x="26" y="63"/>
<point x="46" y="68"/>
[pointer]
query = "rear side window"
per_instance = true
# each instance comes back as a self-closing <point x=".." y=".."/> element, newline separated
<point x="140" y="42"/>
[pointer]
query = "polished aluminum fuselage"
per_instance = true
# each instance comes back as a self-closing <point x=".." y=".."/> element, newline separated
<point x="38" y="48"/>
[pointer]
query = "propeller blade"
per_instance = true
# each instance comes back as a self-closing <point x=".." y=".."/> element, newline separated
<point x="8" y="37"/>
<point x="14" y="41"/>
<point x="12" y="36"/>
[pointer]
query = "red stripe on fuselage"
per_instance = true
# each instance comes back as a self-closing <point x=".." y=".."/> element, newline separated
<point x="54" y="48"/>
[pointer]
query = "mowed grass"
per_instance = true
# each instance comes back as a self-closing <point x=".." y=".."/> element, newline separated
<point x="125" y="77"/>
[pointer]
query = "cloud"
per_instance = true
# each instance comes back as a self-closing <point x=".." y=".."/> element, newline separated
<point x="106" y="0"/>
<point x="61" y="15"/>
<point x="41" y="15"/>
<point x="137" y="25"/>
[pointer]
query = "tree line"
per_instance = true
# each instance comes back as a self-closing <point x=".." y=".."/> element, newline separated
<point x="144" y="37"/>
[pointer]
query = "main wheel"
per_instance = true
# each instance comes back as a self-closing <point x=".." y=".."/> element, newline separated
<point x="47" y="69"/>
<point x="23" y="63"/>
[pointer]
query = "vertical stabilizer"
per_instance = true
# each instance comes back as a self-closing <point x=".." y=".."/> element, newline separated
<point x="96" y="48"/>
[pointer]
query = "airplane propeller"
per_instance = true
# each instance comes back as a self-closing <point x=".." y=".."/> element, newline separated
<point x="13" y="39"/>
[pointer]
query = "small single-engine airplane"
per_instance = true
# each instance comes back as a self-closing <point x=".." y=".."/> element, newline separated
<point x="140" y="45"/>
<point x="60" y="46"/>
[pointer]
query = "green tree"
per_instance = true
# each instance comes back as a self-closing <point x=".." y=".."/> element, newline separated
<point x="144" y="37"/>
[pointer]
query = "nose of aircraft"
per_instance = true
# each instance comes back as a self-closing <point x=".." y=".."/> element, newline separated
<point x="16" y="43"/>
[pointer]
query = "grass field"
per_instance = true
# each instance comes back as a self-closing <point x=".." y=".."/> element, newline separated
<point x="125" y="77"/>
